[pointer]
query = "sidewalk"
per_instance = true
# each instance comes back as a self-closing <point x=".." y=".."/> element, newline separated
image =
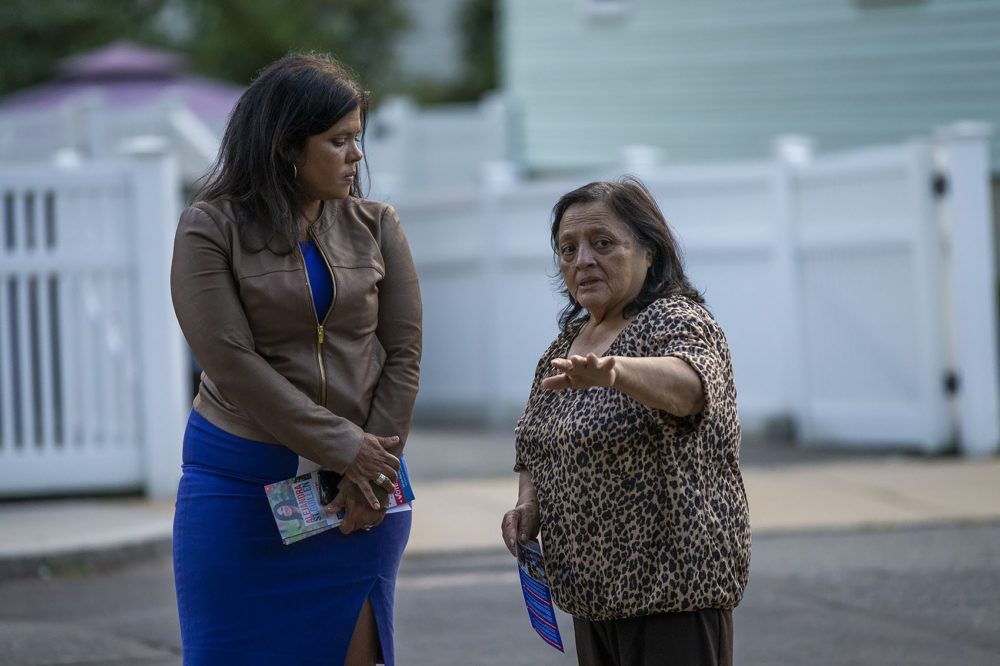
<point x="461" y="511"/>
<point x="465" y="515"/>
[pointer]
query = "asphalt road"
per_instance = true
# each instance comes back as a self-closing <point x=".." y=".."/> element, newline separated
<point x="920" y="597"/>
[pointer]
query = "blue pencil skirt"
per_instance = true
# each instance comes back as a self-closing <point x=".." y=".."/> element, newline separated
<point x="242" y="596"/>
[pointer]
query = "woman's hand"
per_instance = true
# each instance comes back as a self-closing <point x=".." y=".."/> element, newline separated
<point x="374" y="464"/>
<point x="521" y="523"/>
<point x="578" y="372"/>
<point x="357" y="515"/>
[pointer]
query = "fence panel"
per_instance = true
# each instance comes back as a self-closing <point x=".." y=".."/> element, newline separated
<point x="440" y="150"/>
<point x="40" y="134"/>
<point x="825" y="275"/>
<point x="67" y="362"/>
<point x="868" y="247"/>
<point x="725" y="220"/>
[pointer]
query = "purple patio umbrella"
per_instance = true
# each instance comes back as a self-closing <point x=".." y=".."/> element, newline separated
<point x="126" y="74"/>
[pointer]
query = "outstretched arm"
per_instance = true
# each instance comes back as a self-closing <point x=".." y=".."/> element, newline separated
<point x="663" y="382"/>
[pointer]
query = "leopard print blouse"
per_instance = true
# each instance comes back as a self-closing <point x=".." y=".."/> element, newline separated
<point x="642" y="512"/>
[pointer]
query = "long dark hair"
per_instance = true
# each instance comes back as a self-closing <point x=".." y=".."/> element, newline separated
<point x="292" y="99"/>
<point x="631" y="203"/>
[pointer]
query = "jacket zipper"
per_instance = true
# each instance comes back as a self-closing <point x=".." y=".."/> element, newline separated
<point x="322" y="364"/>
<point x="320" y="332"/>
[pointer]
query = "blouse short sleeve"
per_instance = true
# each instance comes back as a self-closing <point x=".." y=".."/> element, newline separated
<point x="683" y="329"/>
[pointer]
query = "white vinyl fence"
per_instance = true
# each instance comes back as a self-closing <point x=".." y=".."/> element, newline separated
<point x="409" y="149"/>
<point x="88" y="129"/>
<point x="442" y="149"/>
<point x="836" y="279"/>
<point x="853" y="288"/>
<point x="92" y="366"/>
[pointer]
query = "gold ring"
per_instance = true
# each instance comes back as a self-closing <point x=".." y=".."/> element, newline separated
<point x="381" y="479"/>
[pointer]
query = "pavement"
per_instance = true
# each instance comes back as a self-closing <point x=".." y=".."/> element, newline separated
<point x="463" y="484"/>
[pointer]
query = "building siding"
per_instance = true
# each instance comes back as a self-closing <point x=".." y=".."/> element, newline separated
<point x="714" y="79"/>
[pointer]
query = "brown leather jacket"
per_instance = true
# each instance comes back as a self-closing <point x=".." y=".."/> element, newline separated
<point x="272" y="372"/>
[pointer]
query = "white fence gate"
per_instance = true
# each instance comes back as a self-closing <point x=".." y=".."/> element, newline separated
<point x="869" y="292"/>
<point x="92" y="383"/>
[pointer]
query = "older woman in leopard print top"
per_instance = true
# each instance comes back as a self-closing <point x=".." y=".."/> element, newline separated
<point x="628" y="448"/>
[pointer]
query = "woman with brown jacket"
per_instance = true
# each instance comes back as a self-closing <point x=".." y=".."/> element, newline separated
<point x="300" y="300"/>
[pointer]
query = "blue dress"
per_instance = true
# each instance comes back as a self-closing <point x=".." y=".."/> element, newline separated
<point x="242" y="596"/>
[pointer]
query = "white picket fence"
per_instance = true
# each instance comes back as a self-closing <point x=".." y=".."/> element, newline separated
<point x="92" y="366"/>
<point x="843" y="293"/>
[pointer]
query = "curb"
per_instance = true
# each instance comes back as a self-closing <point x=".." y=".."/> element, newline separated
<point x="96" y="560"/>
<point x="86" y="561"/>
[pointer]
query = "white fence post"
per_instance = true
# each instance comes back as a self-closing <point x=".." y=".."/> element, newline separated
<point x="495" y="126"/>
<point x="498" y="178"/>
<point x="641" y="160"/>
<point x="388" y="141"/>
<point x="163" y="399"/>
<point x="91" y="130"/>
<point x="789" y="151"/>
<point x="973" y="284"/>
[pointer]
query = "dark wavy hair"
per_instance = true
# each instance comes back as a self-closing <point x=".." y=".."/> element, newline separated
<point x="292" y="99"/>
<point x="631" y="203"/>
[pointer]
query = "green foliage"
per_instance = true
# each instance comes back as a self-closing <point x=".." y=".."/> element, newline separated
<point x="228" y="39"/>
<point x="234" y="39"/>
<point x="476" y="24"/>
<point x="34" y="35"/>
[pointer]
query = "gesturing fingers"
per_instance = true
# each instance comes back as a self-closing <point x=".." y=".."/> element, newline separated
<point x="576" y="372"/>
<point x="563" y="380"/>
<point x="558" y="382"/>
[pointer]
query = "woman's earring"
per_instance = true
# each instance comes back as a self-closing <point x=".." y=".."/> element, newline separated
<point x="295" y="171"/>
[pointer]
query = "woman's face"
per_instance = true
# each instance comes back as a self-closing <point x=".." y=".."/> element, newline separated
<point x="327" y="165"/>
<point x="602" y="263"/>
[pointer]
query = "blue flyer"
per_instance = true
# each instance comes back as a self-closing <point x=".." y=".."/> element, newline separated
<point x="537" y="595"/>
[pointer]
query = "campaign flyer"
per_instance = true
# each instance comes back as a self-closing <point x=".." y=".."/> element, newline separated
<point x="297" y="504"/>
<point x="537" y="595"/>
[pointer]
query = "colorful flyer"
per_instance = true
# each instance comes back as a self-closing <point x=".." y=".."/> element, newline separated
<point x="297" y="504"/>
<point x="537" y="594"/>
